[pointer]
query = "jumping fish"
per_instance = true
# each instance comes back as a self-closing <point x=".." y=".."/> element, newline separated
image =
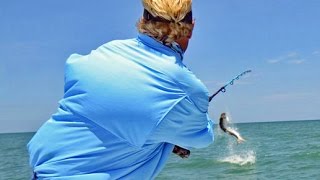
<point x="223" y="122"/>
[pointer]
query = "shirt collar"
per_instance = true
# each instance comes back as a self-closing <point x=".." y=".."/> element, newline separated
<point x="174" y="50"/>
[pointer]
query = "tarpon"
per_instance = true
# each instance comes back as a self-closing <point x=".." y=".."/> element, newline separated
<point x="223" y="122"/>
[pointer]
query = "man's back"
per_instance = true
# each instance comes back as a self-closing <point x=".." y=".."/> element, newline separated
<point x="115" y="98"/>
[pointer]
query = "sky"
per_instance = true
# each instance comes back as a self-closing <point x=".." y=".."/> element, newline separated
<point x="279" y="40"/>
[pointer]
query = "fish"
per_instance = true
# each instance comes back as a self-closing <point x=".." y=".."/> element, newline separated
<point x="185" y="153"/>
<point x="223" y="125"/>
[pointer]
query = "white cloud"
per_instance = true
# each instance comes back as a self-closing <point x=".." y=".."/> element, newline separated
<point x="296" y="61"/>
<point x="292" y="55"/>
<point x="288" y="96"/>
<point x="273" y="61"/>
<point x="290" y="58"/>
<point x="316" y="53"/>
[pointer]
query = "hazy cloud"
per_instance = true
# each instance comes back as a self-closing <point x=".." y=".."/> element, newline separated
<point x="288" y="96"/>
<point x="290" y="58"/>
<point x="317" y="53"/>
<point x="296" y="61"/>
<point x="293" y="55"/>
<point x="273" y="61"/>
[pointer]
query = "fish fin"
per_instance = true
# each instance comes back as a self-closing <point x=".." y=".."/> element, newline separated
<point x="240" y="140"/>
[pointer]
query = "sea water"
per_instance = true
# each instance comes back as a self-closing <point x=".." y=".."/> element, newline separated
<point x="273" y="150"/>
<point x="14" y="157"/>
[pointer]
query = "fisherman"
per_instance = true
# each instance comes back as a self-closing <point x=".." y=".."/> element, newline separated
<point x="223" y="125"/>
<point x="127" y="104"/>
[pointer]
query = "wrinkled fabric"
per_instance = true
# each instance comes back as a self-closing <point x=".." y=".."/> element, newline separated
<point x="126" y="104"/>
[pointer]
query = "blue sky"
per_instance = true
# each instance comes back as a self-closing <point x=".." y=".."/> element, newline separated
<point x="278" y="40"/>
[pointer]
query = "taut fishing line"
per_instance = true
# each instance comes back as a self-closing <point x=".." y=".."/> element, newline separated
<point x="241" y="155"/>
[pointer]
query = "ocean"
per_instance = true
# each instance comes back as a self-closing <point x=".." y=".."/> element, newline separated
<point x="272" y="150"/>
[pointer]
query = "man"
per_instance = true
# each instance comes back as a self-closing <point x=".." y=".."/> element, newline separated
<point x="127" y="104"/>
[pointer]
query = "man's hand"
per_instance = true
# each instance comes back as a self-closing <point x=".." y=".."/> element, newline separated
<point x="183" y="153"/>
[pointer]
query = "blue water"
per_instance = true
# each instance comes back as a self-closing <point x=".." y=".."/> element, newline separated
<point x="13" y="156"/>
<point x="275" y="150"/>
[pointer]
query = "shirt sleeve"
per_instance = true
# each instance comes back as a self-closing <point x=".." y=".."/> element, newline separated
<point x="185" y="125"/>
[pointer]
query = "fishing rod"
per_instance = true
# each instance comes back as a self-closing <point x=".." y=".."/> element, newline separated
<point x="223" y="88"/>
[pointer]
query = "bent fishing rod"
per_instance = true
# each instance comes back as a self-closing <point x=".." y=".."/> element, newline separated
<point x="223" y="88"/>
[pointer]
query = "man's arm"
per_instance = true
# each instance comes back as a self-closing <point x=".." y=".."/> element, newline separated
<point x="185" y="125"/>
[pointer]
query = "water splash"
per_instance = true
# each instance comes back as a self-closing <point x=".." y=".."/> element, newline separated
<point x="240" y="154"/>
<point x="243" y="158"/>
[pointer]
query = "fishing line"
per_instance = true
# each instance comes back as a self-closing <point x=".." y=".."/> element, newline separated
<point x="223" y="88"/>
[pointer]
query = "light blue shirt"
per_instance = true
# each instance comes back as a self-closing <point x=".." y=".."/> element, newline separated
<point x="126" y="105"/>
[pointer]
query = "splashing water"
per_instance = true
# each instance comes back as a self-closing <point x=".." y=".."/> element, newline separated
<point x="243" y="158"/>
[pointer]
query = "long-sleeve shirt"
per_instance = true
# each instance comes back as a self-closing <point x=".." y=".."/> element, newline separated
<point x="126" y="104"/>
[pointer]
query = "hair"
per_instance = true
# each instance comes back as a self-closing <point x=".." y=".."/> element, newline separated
<point x="171" y="10"/>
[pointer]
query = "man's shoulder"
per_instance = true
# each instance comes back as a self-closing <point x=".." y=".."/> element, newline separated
<point x="118" y="43"/>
